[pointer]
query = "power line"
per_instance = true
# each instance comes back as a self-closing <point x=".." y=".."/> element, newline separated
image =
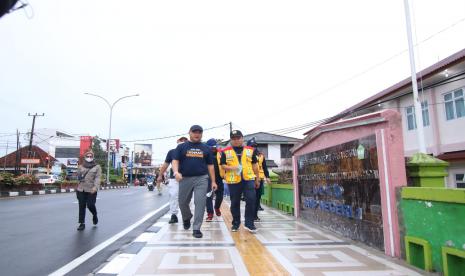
<point x="363" y="72"/>
<point x="296" y="128"/>
<point x="170" y="136"/>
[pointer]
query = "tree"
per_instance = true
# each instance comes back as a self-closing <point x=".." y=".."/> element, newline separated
<point x="100" y="155"/>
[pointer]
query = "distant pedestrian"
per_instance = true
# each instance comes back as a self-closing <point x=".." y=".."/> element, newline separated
<point x="192" y="163"/>
<point x="89" y="174"/>
<point x="219" y="173"/>
<point x="173" y="185"/>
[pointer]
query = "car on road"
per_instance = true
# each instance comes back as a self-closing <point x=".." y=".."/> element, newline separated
<point x="47" y="178"/>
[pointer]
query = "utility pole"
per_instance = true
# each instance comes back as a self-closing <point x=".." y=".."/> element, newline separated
<point x="131" y="168"/>
<point x="29" y="154"/>
<point x="32" y="130"/>
<point x="230" y="127"/>
<point x="416" y="100"/>
<point x="6" y="153"/>
<point x="17" y="153"/>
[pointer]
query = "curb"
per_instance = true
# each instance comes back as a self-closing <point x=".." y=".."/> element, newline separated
<point x="49" y="192"/>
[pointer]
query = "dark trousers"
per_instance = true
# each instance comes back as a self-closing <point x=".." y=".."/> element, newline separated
<point x="236" y="190"/>
<point x="86" y="200"/>
<point x="259" y="192"/>
<point x="219" y="194"/>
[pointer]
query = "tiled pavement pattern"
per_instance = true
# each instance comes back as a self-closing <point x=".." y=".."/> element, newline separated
<point x="283" y="246"/>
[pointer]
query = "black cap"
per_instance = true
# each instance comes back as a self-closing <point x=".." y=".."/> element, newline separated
<point x="252" y="142"/>
<point x="196" y="128"/>
<point x="235" y="133"/>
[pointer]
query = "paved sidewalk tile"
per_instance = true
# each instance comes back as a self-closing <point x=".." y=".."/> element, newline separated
<point x="285" y="246"/>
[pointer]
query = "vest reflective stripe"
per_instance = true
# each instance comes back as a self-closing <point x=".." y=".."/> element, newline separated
<point x="261" y="159"/>
<point x="218" y="157"/>
<point x="232" y="177"/>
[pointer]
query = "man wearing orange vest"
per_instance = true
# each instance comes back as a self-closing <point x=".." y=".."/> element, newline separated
<point x="264" y="175"/>
<point x="242" y="176"/>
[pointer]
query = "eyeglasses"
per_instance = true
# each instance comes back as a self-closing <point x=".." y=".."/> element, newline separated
<point x="89" y="156"/>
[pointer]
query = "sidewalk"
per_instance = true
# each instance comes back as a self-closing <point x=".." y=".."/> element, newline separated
<point x="282" y="246"/>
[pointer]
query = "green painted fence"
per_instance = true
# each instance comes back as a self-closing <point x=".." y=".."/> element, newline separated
<point x="435" y="217"/>
<point x="279" y="196"/>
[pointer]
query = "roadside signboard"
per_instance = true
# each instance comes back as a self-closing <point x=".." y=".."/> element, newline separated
<point x="30" y="161"/>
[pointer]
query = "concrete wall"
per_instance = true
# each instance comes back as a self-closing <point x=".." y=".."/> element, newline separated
<point x="435" y="215"/>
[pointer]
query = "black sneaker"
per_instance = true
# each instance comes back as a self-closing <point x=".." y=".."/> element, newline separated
<point x="256" y="219"/>
<point x="235" y="228"/>
<point x="95" y="220"/>
<point x="81" y="227"/>
<point x="197" y="234"/>
<point x="260" y="208"/>
<point x="187" y="224"/>
<point x="251" y="228"/>
<point x="174" y="219"/>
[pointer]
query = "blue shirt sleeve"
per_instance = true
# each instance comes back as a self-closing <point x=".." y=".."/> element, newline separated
<point x="169" y="156"/>
<point x="208" y="156"/>
<point x="177" y="153"/>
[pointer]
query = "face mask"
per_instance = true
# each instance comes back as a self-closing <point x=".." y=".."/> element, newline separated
<point x="89" y="159"/>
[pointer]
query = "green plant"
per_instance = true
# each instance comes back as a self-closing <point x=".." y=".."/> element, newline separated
<point x="6" y="178"/>
<point x="115" y="178"/>
<point x="25" y="179"/>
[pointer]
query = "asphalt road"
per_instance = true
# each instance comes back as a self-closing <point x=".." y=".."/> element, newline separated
<point x="38" y="233"/>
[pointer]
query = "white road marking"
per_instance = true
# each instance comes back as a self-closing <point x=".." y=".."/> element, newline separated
<point x="160" y="224"/>
<point x="117" y="265"/>
<point x="145" y="237"/>
<point x="78" y="261"/>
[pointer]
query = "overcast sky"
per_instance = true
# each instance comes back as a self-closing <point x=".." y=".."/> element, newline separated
<point x="263" y="65"/>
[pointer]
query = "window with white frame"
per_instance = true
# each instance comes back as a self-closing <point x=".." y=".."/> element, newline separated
<point x="454" y="104"/>
<point x="411" y="119"/>
<point x="460" y="180"/>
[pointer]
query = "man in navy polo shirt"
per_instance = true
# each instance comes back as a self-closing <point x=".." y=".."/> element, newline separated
<point x="192" y="163"/>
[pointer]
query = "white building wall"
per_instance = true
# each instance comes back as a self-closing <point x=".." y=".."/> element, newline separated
<point x="410" y="136"/>
<point x="455" y="168"/>
<point x="441" y="135"/>
<point x="451" y="132"/>
<point x="274" y="153"/>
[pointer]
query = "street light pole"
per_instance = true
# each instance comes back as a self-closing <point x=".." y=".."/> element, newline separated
<point x="416" y="101"/>
<point x="111" y="106"/>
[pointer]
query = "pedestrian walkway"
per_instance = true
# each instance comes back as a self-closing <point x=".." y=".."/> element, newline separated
<point x="282" y="246"/>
